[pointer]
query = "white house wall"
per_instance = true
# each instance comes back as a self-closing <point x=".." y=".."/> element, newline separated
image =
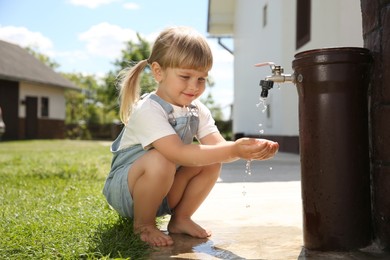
<point x="253" y="44"/>
<point x="55" y="95"/>
<point x="334" y="23"/>
<point x="337" y="23"/>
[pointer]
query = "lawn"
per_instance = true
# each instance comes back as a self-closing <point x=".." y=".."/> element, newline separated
<point x="52" y="207"/>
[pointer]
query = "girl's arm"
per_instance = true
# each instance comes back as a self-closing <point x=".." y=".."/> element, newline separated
<point x="214" y="139"/>
<point x="214" y="149"/>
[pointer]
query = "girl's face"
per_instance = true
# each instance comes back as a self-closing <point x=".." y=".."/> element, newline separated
<point x="179" y="86"/>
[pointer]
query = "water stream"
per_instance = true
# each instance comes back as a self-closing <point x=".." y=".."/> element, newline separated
<point x="248" y="171"/>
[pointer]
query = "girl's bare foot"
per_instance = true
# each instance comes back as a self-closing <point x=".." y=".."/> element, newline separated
<point x="153" y="236"/>
<point x="187" y="226"/>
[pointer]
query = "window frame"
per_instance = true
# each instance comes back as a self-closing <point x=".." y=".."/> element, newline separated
<point x="303" y="23"/>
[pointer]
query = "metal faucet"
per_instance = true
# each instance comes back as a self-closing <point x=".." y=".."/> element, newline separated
<point x="277" y="76"/>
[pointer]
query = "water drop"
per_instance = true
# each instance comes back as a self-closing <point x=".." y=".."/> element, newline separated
<point x="261" y="131"/>
<point x="248" y="167"/>
<point x="270" y="168"/>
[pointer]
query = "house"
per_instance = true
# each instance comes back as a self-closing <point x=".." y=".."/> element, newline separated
<point x="31" y="96"/>
<point x="275" y="31"/>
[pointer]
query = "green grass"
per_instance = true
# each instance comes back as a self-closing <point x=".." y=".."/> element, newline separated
<point x="52" y="207"/>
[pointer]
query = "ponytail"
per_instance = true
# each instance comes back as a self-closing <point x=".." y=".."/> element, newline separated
<point x="129" y="89"/>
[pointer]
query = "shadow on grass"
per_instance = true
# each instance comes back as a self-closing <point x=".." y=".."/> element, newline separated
<point x="117" y="241"/>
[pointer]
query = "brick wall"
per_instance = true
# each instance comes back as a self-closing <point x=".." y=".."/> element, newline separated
<point x="376" y="34"/>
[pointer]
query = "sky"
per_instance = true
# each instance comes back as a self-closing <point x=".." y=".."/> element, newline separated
<point x="87" y="36"/>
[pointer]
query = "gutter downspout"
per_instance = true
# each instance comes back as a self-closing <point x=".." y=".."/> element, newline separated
<point x="219" y="38"/>
<point x="224" y="46"/>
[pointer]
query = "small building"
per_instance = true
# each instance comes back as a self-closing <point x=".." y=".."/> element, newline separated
<point x="274" y="31"/>
<point x="32" y="96"/>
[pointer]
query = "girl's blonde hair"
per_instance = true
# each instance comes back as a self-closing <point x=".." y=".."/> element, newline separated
<point x="175" y="47"/>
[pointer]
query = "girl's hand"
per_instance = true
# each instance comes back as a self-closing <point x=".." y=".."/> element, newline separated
<point x="255" y="149"/>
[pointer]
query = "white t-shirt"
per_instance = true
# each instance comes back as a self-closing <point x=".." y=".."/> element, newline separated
<point x="149" y="122"/>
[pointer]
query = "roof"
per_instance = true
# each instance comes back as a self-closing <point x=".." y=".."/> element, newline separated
<point x="220" y="22"/>
<point x="17" y="64"/>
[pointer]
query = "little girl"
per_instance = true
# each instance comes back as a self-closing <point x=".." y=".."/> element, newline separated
<point x="156" y="168"/>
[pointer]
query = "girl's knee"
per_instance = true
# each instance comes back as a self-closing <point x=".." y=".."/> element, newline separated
<point x="152" y="165"/>
<point x="160" y="166"/>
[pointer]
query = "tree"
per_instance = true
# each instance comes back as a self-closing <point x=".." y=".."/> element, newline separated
<point x="84" y="105"/>
<point x="84" y="108"/>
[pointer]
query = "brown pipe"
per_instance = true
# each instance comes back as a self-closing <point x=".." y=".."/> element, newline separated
<point x="332" y="86"/>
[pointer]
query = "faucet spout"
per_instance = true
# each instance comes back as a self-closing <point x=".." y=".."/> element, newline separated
<point x="281" y="78"/>
<point x="265" y="86"/>
<point x="277" y="76"/>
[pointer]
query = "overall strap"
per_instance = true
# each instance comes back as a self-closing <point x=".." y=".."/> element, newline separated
<point x="165" y="105"/>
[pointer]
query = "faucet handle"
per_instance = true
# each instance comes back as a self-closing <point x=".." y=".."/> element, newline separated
<point x="268" y="63"/>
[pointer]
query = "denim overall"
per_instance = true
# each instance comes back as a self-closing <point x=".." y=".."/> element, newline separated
<point x="116" y="188"/>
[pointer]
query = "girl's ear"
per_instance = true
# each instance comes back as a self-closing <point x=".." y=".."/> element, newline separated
<point x="157" y="71"/>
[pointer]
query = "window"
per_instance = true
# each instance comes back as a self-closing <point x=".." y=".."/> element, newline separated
<point x="303" y="22"/>
<point x="44" y="107"/>
<point x="265" y="16"/>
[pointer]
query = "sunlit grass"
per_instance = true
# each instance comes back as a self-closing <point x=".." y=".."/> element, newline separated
<point x="52" y="207"/>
